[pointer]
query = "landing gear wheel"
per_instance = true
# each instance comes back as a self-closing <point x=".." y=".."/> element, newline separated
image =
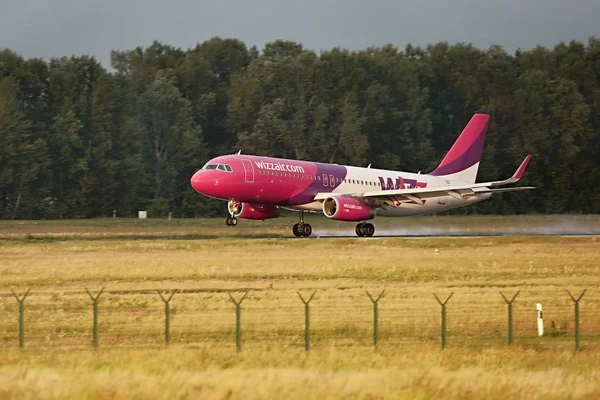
<point x="306" y="230"/>
<point x="364" y="229"/>
<point x="231" y="221"/>
<point x="296" y="230"/>
<point x="301" y="229"/>
<point x="360" y="230"/>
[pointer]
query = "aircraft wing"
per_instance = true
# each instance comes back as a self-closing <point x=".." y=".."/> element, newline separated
<point x="418" y="195"/>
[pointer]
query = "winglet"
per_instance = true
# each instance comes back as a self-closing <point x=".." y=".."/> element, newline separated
<point x="521" y="170"/>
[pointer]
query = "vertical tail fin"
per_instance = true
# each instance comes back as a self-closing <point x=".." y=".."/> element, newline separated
<point x="462" y="161"/>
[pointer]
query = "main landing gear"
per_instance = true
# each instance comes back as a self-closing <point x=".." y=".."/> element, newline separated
<point x="365" y="229"/>
<point x="302" y="229"/>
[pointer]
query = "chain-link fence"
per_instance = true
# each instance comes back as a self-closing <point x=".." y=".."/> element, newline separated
<point x="393" y="317"/>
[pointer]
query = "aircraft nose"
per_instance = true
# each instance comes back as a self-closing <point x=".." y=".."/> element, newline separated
<point x="201" y="181"/>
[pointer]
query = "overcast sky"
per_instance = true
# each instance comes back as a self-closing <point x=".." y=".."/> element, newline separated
<point x="52" y="28"/>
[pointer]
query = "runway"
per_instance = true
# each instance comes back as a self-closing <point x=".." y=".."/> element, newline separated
<point x="457" y="233"/>
<point x="466" y="236"/>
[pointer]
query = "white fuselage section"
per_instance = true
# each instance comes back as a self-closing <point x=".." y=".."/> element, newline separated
<point x="360" y="180"/>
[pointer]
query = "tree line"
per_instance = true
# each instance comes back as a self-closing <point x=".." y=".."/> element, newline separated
<point x="79" y="141"/>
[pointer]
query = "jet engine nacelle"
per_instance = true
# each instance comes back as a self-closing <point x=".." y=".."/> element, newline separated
<point x="347" y="209"/>
<point x="252" y="211"/>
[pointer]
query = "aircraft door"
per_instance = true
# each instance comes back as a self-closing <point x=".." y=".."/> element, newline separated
<point x="248" y="171"/>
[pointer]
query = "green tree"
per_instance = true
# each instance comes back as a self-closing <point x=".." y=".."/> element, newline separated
<point x="551" y="122"/>
<point x="68" y="166"/>
<point x="23" y="160"/>
<point x="173" y="146"/>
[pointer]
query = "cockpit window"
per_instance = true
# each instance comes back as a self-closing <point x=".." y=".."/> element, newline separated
<point x="220" y="167"/>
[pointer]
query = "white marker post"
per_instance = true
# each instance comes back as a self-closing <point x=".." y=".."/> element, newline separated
<point x="142" y="214"/>
<point x="540" y="319"/>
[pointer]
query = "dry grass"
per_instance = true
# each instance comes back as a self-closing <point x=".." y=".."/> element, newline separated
<point x="192" y="372"/>
<point x="131" y="361"/>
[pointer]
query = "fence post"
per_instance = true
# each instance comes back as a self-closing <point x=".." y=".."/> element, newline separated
<point x="21" y="301"/>
<point x="576" y="302"/>
<point x="167" y="316"/>
<point x="306" y="319"/>
<point x="510" y="319"/>
<point x="375" y="316"/>
<point x="95" y="314"/>
<point x="238" y="320"/>
<point x="443" y="304"/>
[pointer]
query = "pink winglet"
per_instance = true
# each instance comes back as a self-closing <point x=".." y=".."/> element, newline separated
<point x="521" y="170"/>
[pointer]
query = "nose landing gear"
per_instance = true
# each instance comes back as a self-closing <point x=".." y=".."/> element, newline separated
<point x="234" y="208"/>
<point x="365" y="229"/>
<point x="302" y="229"/>
<point x="231" y="221"/>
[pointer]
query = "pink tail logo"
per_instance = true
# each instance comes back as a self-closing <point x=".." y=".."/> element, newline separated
<point x="467" y="149"/>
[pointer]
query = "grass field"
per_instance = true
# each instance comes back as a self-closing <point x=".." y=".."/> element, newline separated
<point x="133" y="259"/>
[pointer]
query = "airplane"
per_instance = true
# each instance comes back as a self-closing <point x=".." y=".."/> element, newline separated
<point x="257" y="187"/>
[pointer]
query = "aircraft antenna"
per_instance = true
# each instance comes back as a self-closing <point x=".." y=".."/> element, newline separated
<point x="369" y="166"/>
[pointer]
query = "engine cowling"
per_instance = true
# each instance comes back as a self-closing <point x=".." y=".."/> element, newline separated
<point x="252" y="211"/>
<point x="347" y="209"/>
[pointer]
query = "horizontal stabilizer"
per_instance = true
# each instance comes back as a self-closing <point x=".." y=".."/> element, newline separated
<point x="512" y="189"/>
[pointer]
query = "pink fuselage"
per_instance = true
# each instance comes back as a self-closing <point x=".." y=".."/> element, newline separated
<point x="293" y="184"/>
